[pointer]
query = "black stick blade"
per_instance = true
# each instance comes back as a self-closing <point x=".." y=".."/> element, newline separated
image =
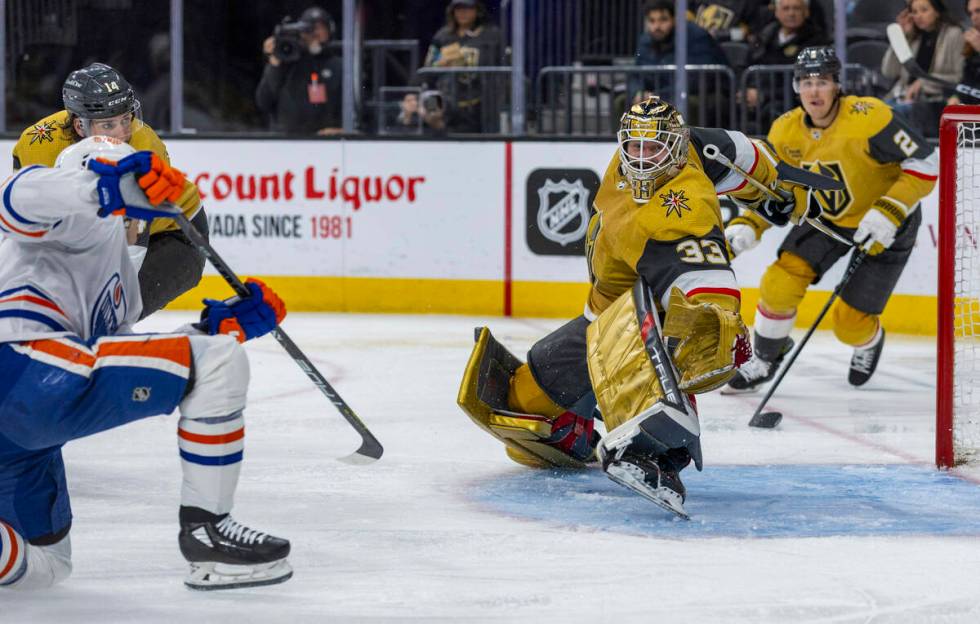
<point x="369" y="452"/>
<point x="766" y="420"/>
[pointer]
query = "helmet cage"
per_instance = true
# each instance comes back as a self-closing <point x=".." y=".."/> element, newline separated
<point x="648" y="154"/>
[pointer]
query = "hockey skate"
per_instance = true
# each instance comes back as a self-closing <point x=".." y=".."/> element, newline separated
<point x="656" y="479"/>
<point x="756" y="372"/>
<point x="865" y="361"/>
<point x="639" y="461"/>
<point x="227" y="555"/>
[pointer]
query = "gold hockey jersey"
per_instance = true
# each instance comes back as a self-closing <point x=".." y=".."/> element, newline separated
<point x="876" y="154"/>
<point x="676" y="238"/>
<point x="41" y="143"/>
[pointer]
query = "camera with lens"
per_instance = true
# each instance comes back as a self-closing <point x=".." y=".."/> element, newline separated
<point x="288" y="37"/>
<point x="431" y="101"/>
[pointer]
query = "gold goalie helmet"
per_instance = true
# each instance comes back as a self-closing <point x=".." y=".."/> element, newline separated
<point x="653" y="142"/>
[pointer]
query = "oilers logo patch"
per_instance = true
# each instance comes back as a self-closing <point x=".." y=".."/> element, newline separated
<point x="42" y="132"/>
<point x="109" y="309"/>
<point x="675" y="203"/>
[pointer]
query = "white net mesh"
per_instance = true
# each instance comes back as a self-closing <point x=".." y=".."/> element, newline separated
<point x="966" y="317"/>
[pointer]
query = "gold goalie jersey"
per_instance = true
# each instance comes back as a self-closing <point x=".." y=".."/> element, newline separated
<point x="675" y="238"/>
<point x="881" y="160"/>
<point x="41" y="143"/>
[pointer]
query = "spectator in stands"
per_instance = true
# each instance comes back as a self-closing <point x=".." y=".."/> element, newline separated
<point x="467" y="40"/>
<point x="727" y="20"/>
<point x="937" y="43"/>
<point x="971" y="52"/>
<point x="656" y="47"/>
<point x="301" y="84"/>
<point x="421" y="113"/>
<point x="780" y="41"/>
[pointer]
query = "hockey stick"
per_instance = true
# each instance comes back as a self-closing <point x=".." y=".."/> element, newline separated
<point x="370" y="449"/>
<point x="768" y="420"/>
<point x="712" y="152"/>
<point x="903" y="52"/>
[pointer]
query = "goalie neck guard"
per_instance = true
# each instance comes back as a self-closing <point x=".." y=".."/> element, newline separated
<point x="653" y="140"/>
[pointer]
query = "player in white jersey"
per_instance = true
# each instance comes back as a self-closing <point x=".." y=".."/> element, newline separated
<point x="68" y="295"/>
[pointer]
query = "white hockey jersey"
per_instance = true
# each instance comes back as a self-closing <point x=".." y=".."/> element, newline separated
<point x="63" y="269"/>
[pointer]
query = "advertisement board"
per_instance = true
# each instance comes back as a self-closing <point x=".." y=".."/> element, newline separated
<point x="443" y="227"/>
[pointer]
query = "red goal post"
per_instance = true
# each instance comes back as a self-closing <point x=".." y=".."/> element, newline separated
<point x="958" y="335"/>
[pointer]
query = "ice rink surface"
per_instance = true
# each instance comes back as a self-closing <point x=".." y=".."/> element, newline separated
<point x="836" y="516"/>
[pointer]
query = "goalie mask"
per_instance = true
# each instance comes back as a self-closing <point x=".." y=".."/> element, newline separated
<point x="653" y="140"/>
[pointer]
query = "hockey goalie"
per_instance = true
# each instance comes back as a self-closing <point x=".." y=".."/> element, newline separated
<point x="656" y="252"/>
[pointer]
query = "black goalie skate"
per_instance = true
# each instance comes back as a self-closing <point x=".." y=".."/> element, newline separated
<point x="864" y="362"/>
<point x="656" y="479"/>
<point x="756" y="372"/>
<point x="227" y="555"/>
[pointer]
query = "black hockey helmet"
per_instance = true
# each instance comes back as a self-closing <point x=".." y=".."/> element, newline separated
<point x="816" y="61"/>
<point x="97" y="92"/>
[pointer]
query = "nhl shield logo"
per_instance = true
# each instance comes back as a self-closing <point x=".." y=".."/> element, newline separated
<point x="563" y="211"/>
<point x="141" y="394"/>
<point x="559" y="204"/>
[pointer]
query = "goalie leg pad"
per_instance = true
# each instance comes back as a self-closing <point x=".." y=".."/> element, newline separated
<point x="556" y="438"/>
<point x="623" y="378"/>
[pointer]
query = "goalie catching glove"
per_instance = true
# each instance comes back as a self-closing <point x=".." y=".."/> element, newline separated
<point x="876" y="231"/>
<point x="244" y="317"/>
<point x="713" y="342"/>
<point x="136" y="184"/>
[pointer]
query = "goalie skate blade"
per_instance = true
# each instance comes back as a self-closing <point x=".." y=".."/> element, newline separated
<point x="209" y="576"/>
<point x="766" y="420"/>
<point x="631" y="478"/>
<point x="729" y="391"/>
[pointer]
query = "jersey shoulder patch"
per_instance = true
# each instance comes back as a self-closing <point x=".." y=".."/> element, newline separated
<point x="865" y="115"/>
<point x="41" y="142"/>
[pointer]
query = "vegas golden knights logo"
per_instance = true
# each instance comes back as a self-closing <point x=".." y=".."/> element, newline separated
<point x="831" y="202"/>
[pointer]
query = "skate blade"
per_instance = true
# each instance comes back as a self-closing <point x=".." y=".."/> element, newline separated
<point x="210" y="576"/>
<point x="664" y="498"/>
<point x="729" y="391"/>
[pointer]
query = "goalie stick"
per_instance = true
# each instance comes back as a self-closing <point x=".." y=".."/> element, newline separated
<point x="903" y="52"/>
<point x="370" y="449"/>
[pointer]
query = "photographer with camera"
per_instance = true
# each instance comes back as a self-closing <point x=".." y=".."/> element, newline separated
<point x="300" y="89"/>
<point x="421" y="113"/>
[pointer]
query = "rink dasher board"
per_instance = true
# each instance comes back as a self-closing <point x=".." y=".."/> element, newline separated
<point x="434" y="227"/>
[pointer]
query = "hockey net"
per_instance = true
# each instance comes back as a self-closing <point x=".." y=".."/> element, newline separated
<point x="958" y="361"/>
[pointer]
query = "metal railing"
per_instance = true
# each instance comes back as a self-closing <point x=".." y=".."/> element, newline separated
<point x="774" y="93"/>
<point x="588" y="101"/>
<point x="399" y="55"/>
<point x="476" y="98"/>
